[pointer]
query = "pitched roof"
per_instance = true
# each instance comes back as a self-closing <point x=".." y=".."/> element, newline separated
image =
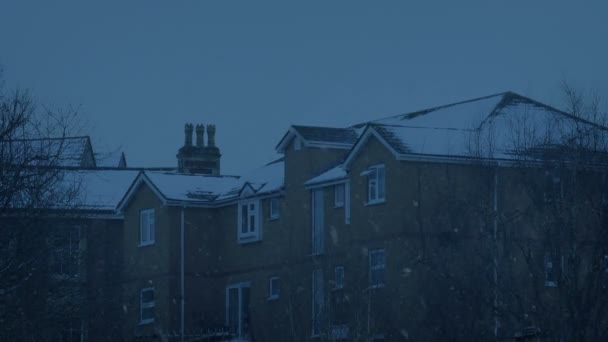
<point x="500" y="126"/>
<point x="210" y="190"/>
<point x="320" y="137"/>
<point x="328" y="134"/>
<point x="100" y="189"/>
<point x="55" y="152"/>
<point x="334" y="174"/>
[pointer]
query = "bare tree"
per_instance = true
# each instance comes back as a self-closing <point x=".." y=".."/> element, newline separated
<point x="36" y="194"/>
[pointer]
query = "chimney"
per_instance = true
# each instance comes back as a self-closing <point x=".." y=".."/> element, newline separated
<point x="211" y="134"/>
<point x="188" y="130"/>
<point x="200" y="135"/>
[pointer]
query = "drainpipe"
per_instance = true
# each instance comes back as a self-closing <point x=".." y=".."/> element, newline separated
<point x="181" y="275"/>
<point x="495" y="266"/>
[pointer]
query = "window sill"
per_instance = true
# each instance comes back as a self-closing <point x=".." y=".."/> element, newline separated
<point x="243" y="240"/>
<point x="550" y="284"/>
<point x="272" y="298"/>
<point x="375" y="202"/>
<point x="335" y="289"/>
<point x="336" y="206"/>
<point x="146" y="322"/>
<point x="274" y="218"/>
<point x="144" y="244"/>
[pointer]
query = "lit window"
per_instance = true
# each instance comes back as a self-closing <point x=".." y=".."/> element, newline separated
<point x="377" y="268"/>
<point x="248" y="221"/>
<point x="339" y="277"/>
<point x="339" y="195"/>
<point x="146" y="227"/>
<point x="375" y="184"/>
<point x="275" y="212"/>
<point x="274" y="288"/>
<point x="146" y="305"/>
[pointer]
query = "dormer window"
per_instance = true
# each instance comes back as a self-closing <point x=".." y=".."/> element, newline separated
<point x="249" y="223"/>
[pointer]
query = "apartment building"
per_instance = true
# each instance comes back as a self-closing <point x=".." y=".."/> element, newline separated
<point x="430" y="225"/>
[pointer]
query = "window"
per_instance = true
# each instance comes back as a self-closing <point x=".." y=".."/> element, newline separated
<point x="146" y="227"/>
<point x="318" y="302"/>
<point x="274" y="288"/>
<point x="237" y="310"/>
<point x="375" y="184"/>
<point x="146" y="305"/>
<point x="550" y="277"/>
<point x="249" y="222"/>
<point x="338" y="195"/>
<point x="339" y="277"/>
<point x="275" y="212"/>
<point x="317" y="222"/>
<point x="66" y="251"/>
<point x="377" y="268"/>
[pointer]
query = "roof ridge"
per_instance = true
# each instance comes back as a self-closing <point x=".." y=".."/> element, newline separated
<point x="431" y="109"/>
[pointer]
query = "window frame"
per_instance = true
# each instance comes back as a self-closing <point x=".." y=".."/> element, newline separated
<point x="379" y="267"/>
<point x="373" y="183"/>
<point x="147" y="305"/>
<point x="150" y="226"/>
<point x="271" y="288"/>
<point x="242" y="331"/>
<point x="274" y="203"/>
<point x="256" y="233"/>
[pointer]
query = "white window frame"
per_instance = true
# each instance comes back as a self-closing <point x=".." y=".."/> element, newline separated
<point x="147" y="222"/>
<point x="339" y="203"/>
<point x="374" y="185"/>
<point x="338" y="277"/>
<point x="240" y="329"/>
<point x="274" y="293"/>
<point x="146" y="305"/>
<point x="254" y="234"/>
<point x="378" y="267"/>
<point x="274" y="205"/>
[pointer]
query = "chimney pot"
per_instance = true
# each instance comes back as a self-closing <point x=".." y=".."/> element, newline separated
<point x="188" y="130"/>
<point x="211" y="135"/>
<point x="200" y="135"/>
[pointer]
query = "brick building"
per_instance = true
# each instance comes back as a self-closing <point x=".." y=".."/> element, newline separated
<point x="419" y="226"/>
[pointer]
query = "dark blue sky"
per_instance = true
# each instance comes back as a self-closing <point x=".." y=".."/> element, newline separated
<point x="141" y="69"/>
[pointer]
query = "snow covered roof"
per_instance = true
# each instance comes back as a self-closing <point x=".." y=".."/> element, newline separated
<point x="500" y="126"/>
<point x="56" y="152"/>
<point x="101" y="189"/>
<point x="173" y="187"/>
<point x="266" y="179"/>
<point x="336" y="173"/>
<point x="189" y="187"/>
